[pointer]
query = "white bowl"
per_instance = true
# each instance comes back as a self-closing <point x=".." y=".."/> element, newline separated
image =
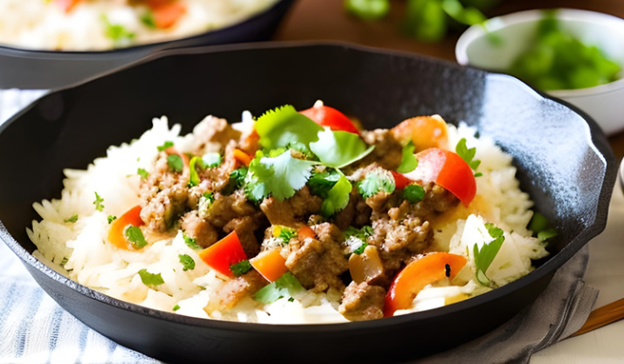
<point x="604" y="103"/>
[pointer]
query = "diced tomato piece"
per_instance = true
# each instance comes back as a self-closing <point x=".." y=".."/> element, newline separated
<point x="67" y="5"/>
<point x="270" y="264"/>
<point x="424" y="131"/>
<point x="306" y="232"/>
<point x="223" y="254"/>
<point x="416" y="275"/>
<point x="330" y="117"/>
<point x="448" y="170"/>
<point x="242" y="157"/>
<point x="116" y="232"/>
<point x="166" y="12"/>
<point x="400" y="181"/>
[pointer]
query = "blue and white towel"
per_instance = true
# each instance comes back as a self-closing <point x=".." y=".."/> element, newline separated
<point x="34" y="329"/>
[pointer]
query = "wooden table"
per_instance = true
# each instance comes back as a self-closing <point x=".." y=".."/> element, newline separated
<point x="326" y="20"/>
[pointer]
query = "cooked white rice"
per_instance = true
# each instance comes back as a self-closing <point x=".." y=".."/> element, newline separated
<point x="41" y="24"/>
<point x="80" y="250"/>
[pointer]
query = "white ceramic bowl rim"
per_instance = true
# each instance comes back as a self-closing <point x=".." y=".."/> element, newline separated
<point x="476" y="31"/>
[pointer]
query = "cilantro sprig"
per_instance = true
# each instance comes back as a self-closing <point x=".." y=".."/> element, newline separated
<point x="541" y="227"/>
<point x="167" y="144"/>
<point x="284" y="125"/>
<point x="483" y="257"/>
<point x="135" y="237"/>
<point x="72" y="219"/>
<point x="241" y="267"/>
<point x="190" y="242"/>
<point x="175" y="163"/>
<point x="408" y="159"/>
<point x="279" y="176"/>
<point x="150" y="279"/>
<point x="360" y="234"/>
<point x="98" y="202"/>
<point x="375" y="182"/>
<point x="285" y="286"/>
<point x="143" y="173"/>
<point x="339" y="148"/>
<point x="187" y="262"/>
<point x="468" y="154"/>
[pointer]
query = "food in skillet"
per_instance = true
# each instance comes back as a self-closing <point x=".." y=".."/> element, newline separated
<point x="295" y="217"/>
<point x="79" y="25"/>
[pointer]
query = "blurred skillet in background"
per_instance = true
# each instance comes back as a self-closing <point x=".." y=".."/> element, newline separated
<point x="46" y="69"/>
<point x="570" y="179"/>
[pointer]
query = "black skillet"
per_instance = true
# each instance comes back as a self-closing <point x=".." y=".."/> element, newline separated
<point x="563" y="161"/>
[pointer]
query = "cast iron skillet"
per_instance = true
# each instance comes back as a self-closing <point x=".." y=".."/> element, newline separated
<point x="44" y="69"/>
<point x="563" y="161"/>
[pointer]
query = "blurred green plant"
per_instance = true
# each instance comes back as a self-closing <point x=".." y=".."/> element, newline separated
<point x="425" y="20"/>
<point x="556" y="60"/>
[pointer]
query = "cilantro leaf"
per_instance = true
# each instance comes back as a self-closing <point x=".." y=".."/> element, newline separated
<point x="361" y="234"/>
<point x="187" y="262"/>
<point x="135" y="236"/>
<point x="337" y="197"/>
<point x="321" y="183"/>
<point x="192" y="243"/>
<point x="166" y="145"/>
<point x="212" y="160"/>
<point x="286" y="285"/>
<point x="286" y="234"/>
<point x="467" y="154"/>
<point x="73" y="218"/>
<point x="413" y="193"/>
<point x="143" y="173"/>
<point x="237" y="180"/>
<point x="483" y="257"/>
<point x="175" y="163"/>
<point x="408" y="160"/>
<point x="194" y="177"/>
<point x="150" y="279"/>
<point x="339" y="148"/>
<point x="98" y="202"/>
<point x="111" y="218"/>
<point x="117" y="33"/>
<point x="374" y="182"/>
<point x="148" y="19"/>
<point x="280" y="176"/>
<point x="541" y="227"/>
<point x="360" y="249"/>
<point x="241" y="267"/>
<point x="283" y="126"/>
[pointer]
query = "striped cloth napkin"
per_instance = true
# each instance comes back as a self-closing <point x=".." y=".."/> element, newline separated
<point x="34" y="329"/>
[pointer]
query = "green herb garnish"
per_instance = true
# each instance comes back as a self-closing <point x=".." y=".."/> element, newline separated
<point x="483" y="257"/>
<point x="541" y="227"/>
<point x="237" y="180"/>
<point x="98" y="202"/>
<point x="285" y="286"/>
<point x="73" y="218"/>
<point x="467" y="154"/>
<point x="135" y="237"/>
<point x="111" y="218"/>
<point x="143" y="173"/>
<point x="148" y="19"/>
<point x="361" y="234"/>
<point x="283" y="126"/>
<point x="286" y="234"/>
<point x="241" y="267"/>
<point x="413" y="193"/>
<point x="408" y="160"/>
<point x="194" y="177"/>
<point x="117" y="33"/>
<point x="176" y="307"/>
<point x="339" y="148"/>
<point x="187" y="262"/>
<point x="279" y="176"/>
<point x="337" y="197"/>
<point x="192" y="243"/>
<point x="175" y="163"/>
<point x="150" y="279"/>
<point x="166" y="145"/>
<point x="375" y="182"/>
